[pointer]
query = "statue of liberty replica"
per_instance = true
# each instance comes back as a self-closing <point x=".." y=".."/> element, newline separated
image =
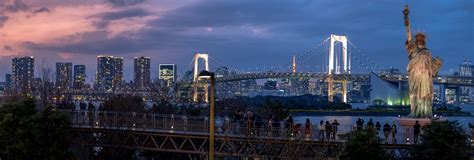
<point x="421" y="70"/>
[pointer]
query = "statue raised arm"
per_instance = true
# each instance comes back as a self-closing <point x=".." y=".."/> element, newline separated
<point x="406" y="11"/>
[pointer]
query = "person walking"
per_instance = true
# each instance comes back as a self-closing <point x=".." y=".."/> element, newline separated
<point x="307" y="129"/>
<point x="394" y="132"/>
<point x="321" y="129"/>
<point x="334" y="128"/>
<point x="416" y="131"/>
<point x="386" y="131"/>
<point x="328" y="130"/>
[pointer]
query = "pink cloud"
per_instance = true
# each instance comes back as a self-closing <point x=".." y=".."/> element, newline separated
<point x="66" y="56"/>
<point x="62" y="24"/>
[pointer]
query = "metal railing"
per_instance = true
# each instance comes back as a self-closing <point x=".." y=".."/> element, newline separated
<point x="191" y="125"/>
<point x="199" y="125"/>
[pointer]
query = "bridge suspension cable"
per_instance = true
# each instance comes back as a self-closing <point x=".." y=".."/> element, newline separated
<point x="217" y="63"/>
<point x="313" y="57"/>
<point x="363" y="65"/>
<point x="288" y="63"/>
<point x="375" y="66"/>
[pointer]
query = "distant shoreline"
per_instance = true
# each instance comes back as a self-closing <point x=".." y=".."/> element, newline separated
<point x="394" y="113"/>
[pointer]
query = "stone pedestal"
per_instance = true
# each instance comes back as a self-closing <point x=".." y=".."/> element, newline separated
<point x="411" y="121"/>
<point x="407" y="125"/>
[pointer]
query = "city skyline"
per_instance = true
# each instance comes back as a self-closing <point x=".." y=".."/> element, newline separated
<point x="252" y="33"/>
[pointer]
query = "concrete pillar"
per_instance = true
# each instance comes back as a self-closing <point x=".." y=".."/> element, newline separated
<point x="344" y="91"/>
<point x="330" y="89"/>
<point x="458" y="94"/>
<point x="400" y="85"/>
<point x="442" y="93"/>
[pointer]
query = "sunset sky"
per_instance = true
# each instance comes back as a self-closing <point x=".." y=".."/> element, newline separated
<point x="243" y="33"/>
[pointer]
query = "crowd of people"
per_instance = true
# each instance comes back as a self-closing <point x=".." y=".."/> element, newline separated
<point x="389" y="130"/>
<point x="249" y="123"/>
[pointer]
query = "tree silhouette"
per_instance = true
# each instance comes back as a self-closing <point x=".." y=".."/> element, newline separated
<point x="273" y="108"/>
<point x="443" y="140"/>
<point x="124" y="103"/>
<point x="28" y="134"/>
<point x="364" y="145"/>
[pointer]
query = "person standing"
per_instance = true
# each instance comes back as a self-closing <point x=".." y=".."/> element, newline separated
<point x="289" y="125"/>
<point x="370" y="124"/>
<point x="321" y="129"/>
<point x="334" y="128"/>
<point x="360" y="124"/>
<point x="328" y="130"/>
<point x="307" y="129"/>
<point x="270" y="126"/>
<point x="394" y="132"/>
<point x="185" y="123"/>
<point x="416" y="131"/>
<point x="249" y="117"/>
<point x="378" y="126"/>
<point x="386" y="131"/>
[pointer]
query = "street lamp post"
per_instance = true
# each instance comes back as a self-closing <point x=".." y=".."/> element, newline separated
<point x="210" y="76"/>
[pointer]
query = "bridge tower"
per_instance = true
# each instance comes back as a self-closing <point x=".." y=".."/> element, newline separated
<point x="205" y="58"/>
<point x="335" y="66"/>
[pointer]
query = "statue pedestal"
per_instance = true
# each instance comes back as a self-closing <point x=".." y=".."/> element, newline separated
<point x="411" y="121"/>
<point x="407" y="124"/>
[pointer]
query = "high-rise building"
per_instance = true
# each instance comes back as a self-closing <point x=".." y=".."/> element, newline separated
<point x="2" y="88"/>
<point x="64" y="75"/>
<point x="467" y="93"/>
<point x="141" y="74"/>
<point x="168" y="73"/>
<point x="22" y="74"/>
<point x="8" y="81"/>
<point x="466" y="69"/>
<point x="270" y="85"/>
<point x="79" y="76"/>
<point x="118" y="72"/>
<point x="109" y="72"/>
